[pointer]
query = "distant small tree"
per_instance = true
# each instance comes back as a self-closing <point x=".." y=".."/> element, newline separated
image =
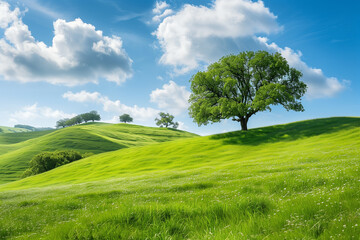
<point x="125" y="118"/>
<point x="86" y="117"/>
<point x="94" y="116"/>
<point x="78" y="119"/>
<point x="1" y="130"/>
<point x="62" y="123"/>
<point x="166" y="120"/>
<point x="70" y="122"/>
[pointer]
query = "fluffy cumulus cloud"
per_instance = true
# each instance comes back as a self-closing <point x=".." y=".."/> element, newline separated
<point x="38" y="116"/>
<point x="198" y="34"/>
<point x="7" y="16"/>
<point x="171" y="97"/>
<point x="138" y="113"/>
<point x="195" y="36"/>
<point x="79" y="53"/>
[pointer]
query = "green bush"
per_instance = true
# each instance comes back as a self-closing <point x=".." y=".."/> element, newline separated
<point x="49" y="160"/>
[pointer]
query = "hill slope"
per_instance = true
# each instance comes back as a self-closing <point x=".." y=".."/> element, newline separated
<point x="280" y="144"/>
<point x="17" y="149"/>
<point x="12" y="130"/>
<point x="293" y="181"/>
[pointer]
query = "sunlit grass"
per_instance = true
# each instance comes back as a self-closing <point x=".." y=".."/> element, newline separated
<point x="296" y="181"/>
<point x="17" y="149"/>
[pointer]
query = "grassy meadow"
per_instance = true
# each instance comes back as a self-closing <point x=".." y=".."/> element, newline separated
<point x="292" y="181"/>
<point x="17" y="149"/>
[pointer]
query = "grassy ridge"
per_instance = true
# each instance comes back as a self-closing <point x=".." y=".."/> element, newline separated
<point x="16" y="150"/>
<point x="11" y="138"/>
<point x="294" y="181"/>
<point x="12" y="130"/>
<point x="223" y="150"/>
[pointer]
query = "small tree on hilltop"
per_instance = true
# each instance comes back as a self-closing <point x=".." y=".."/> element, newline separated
<point x="70" y="122"/>
<point x="166" y="120"/>
<point x="94" y="116"/>
<point x="239" y="86"/>
<point x="78" y="119"/>
<point x="125" y="118"/>
<point x="86" y="117"/>
<point x="62" y="123"/>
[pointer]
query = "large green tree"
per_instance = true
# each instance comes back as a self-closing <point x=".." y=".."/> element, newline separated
<point x="239" y="86"/>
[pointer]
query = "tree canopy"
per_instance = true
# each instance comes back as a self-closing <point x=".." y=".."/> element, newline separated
<point x="239" y="86"/>
<point x="94" y="116"/>
<point x="166" y="120"/>
<point x="46" y="161"/>
<point x="125" y="118"/>
<point x="84" y="117"/>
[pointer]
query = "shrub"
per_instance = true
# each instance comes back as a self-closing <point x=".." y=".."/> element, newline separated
<point x="46" y="161"/>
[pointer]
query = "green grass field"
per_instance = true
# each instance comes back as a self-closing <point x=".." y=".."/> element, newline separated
<point x="12" y="130"/>
<point x="17" y="149"/>
<point x="293" y="181"/>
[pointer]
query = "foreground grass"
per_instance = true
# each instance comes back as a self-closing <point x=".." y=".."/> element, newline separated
<point x="296" y="181"/>
<point x="17" y="149"/>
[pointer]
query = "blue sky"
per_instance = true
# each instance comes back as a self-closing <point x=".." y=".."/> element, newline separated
<point x="61" y="58"/>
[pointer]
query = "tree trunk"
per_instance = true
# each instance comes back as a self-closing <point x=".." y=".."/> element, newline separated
<point x="243" y="122"/>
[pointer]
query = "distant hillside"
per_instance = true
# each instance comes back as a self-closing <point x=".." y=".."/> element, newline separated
<point x="31" y="128"/>
<point x="16" y="150"/>
<point x="12" y="130"/>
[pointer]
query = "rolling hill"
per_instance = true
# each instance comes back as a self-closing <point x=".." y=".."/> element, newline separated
<point x="294" y="181"/>
<point x="12" y="130"/>
<point x="17" y="149"/>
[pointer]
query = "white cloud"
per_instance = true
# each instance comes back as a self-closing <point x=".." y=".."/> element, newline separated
<point x="38" y="116"/>
<point x="172" y="98"/>
<point x="160" y="6"/>
<point x="161" y="11"/>
<point x="79" y="53"/>
<point x="7" y="16"/>
<point x="319" y="86"/>
<point x="182" y="126"/>
<point x="138" y="113"/>
<point x="82" y="96"/>
<point x="199" y="34"/>
<point x="158" y="18"/>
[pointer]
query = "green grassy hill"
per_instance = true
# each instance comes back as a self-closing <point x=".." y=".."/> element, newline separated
<point x="12" y="130"/>
<point x="293" y="181"/>
<point x="16" y="149"/>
